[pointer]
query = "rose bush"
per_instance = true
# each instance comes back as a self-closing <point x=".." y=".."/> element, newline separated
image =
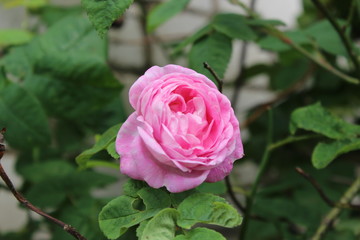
<point x="183" y="131"/>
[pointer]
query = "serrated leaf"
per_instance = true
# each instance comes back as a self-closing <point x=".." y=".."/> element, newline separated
<point x="119" y="214"/>
<point x="10" y="37"/>
<point x="132" y="186"/>
<point x="102" y="143"/>
<point x="234" y="26"/>
<point x="317" y="119"/>
<point x="191" y="39"/>
<point x="112" y="151"/>
<point x="214" y="49"/>
<point x="102" y="13"/>
<point x="163" y="12"/>
<point x="161" y="226"/>
<point x="200" y="233"/>
<point x="209" y="209"/>
<point x="24" y="118"/>
<point x="325" y="153"/>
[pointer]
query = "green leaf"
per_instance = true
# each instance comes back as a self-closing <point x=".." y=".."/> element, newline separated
<point x="317" y="119"/>
<point x="209" y="209"/>
<point x="200" y="233"/>
<point x="10" y="37"/>
<point x="215" y="188"/>
<point x="102" y="13"/>
<point x="191" y="39"/>
<point x="265" y="22"/>
<point x="100" y="163"/>
<point x="131" y="187"/>
<point x="234" y="26"/>
<point x="33" y="4"/>
<point x="102" y="143"/>
<point x="122" y="212"/>
<point x="112" y="151"/>
<point x="177" y="198"/>
<point x="163" y="12"/>
<point x="51" y="14"/>
<point x="38" y="172"/>
<point x="161" y="226"/>
<point x="325" y="153"/>
<point x="214" y="49"/>
<point x="140" y="228"/>
<point x="326" y="37"/>
<point x="24" y="118"/>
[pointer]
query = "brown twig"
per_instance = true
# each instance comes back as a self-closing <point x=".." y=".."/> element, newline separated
<point x="72" y="231"/>
<point x="322" y="194"/>
<point x="212" y="71"/>
<point x="232" y="195"/>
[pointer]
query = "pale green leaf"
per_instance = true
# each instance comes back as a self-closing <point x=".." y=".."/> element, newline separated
<point x="161" y="226"/>
<point x="10" y="37"/>
<point x="112" y="150"/>
<point x="325" y="153"/>
<point x="214" y="49"/>
<point x="317" y="119"/>
<point x="101" y="144"/>
<point x="200" y="234"/>
<point x="125" y="211"/>
<point x="164" y="12"/>
<point x="209" y="209"/>
<point x="102" y="13"/>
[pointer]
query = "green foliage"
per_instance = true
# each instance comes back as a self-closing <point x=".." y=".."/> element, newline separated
<point x="164" y="12"/>
<point x="103" y="142"/>
<point x="234" y="26"/>
<point x="200" y="233"/>
<point x="161" y="226"/>
<point x="24" y="118"/>
<point x="125" y="211"/>
<point x="324" y="153"/>
<point x="14" y="37"/>
<point x="104" y="12"/>
<point x="214" y="49"/>
<point x="210" y="209"/>
<point x="315" y="118"/>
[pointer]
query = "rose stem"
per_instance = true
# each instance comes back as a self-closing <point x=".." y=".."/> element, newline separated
<point x="72" y="231"/>
<point x="322" y="194"/>
<point x="332" y="215"/>
<point x="218" y="80"/>
<point x="264" y="162"/>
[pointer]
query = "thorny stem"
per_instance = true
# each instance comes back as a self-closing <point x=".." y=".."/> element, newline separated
<point x="332" y="215"/>
<point x="264" y="162"/>
<point x="69" y="229"/>
<point x="322" y="194"/>
<point x="341" y="34"/>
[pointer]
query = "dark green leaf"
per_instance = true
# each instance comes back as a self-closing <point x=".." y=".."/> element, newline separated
<point x="164" y="12"/>
<point x="191" y="39"/>
<point x="161" y="226"/>
<point x="121" y="213"/>
<point x="38" y="172"/>
<point x="214" y="49"/>
<point x="101" y="144"/>
<point x="215" y="188"/>
<point x="102" y="13"/>
<point x="234" y="26"/>
<point x="209" y="209"/>
<point x="131" y="187"/>
<point x="177" y="198"/>
<point x="51" y="14"/>
<point x="274" y="44"/>
<point x="265" y="22"/>
<point x="200" y="233"/>
<point x="24" y="118"/>
<point x="14" y="37"/>
<point x="325" y="153"/>
<point x="317" y="119"/>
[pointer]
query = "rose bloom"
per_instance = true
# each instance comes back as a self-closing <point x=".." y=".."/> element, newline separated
<point x="183" y="131"/>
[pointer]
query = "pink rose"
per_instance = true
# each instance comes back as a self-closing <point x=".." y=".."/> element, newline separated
<point x="183" y="131"/>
